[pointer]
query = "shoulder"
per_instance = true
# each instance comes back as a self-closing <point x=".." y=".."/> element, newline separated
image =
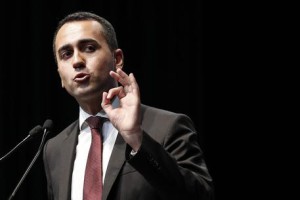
<point x="149" y="110"/>
<point x="65" y="133"/>
<point x="153" y="113"/>
<point x="157" y="121"/>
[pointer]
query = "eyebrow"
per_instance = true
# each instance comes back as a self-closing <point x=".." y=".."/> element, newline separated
<point x="80" y="42"/>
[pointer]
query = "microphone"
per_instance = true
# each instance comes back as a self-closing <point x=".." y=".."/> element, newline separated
<point x="33" y="132"/>
<point x="47" y="127"/>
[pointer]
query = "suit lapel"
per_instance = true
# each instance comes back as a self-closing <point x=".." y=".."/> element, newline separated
<point x="115" y="164"/>
<point x="68" y="150"/>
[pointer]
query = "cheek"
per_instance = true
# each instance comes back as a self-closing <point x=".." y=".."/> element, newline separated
<point x="103" y="67"/>
<point x="63" y="75"/>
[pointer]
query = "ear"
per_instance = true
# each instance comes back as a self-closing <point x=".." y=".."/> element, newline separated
<point x="119" y="58"/>
<point x="62" y="83"/>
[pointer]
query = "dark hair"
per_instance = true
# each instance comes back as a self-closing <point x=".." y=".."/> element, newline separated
<point x="108" y="30"/>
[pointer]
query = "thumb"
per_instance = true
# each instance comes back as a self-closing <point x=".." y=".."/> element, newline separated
<point x="106" y="103"/>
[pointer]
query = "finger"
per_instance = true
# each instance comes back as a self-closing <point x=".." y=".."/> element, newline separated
<point x="122" y="74"/>
<point x="106" y="103"/>
<point x="119" y="91"/>
<point x="121" y="77"/>
<point x="117" y="77"/>
<point x="133" y="81"/>
<point x="134" y="84"/>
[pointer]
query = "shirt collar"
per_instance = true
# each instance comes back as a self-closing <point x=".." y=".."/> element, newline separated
<point x="84" y="115"/>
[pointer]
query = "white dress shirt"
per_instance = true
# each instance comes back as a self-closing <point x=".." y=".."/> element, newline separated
<point x="109" y="133"/>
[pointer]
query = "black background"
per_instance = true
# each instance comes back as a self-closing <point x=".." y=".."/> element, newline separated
<point x="172" y="48"/>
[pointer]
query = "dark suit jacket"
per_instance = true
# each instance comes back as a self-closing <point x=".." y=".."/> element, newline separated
<point x="169" y="164"/>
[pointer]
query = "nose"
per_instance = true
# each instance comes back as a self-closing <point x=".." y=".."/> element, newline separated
<point x="78" y="60"/>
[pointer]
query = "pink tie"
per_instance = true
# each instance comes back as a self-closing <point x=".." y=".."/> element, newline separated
<point x="92" y="189"/>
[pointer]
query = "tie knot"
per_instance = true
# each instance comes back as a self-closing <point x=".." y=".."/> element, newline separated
<point x="94" y="122"/>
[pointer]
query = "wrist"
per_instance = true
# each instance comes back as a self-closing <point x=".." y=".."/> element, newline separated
<point x="134" y="140"/>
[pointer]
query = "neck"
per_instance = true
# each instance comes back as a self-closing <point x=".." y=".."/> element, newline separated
<point x="92" y="107"/>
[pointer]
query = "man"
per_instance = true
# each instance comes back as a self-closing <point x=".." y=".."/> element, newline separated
<point x="147" y="153"/>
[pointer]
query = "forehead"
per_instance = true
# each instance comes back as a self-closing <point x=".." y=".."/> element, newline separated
<point x="72" y="32"/>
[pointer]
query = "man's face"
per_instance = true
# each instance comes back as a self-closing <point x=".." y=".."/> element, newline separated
<point x="84" y="60"/>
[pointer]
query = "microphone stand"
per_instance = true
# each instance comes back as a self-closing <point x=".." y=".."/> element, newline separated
<point x="9" y="153"/>
<point x="30" y="165"/>
<point x="36" y="130"/>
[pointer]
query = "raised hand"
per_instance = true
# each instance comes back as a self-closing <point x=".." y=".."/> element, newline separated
<point x="127" y="117"/>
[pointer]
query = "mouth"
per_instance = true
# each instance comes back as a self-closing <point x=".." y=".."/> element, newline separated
<point x="81" y="77"/>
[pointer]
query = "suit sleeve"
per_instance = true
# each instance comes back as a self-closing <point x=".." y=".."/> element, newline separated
<point x="175" y="167"/>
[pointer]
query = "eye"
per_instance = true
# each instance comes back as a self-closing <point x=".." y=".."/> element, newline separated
<point x="66" y="54"/>
<point x="89" y="48"/>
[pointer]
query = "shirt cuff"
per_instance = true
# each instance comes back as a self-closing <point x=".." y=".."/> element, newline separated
<point x="132" y="153"/>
